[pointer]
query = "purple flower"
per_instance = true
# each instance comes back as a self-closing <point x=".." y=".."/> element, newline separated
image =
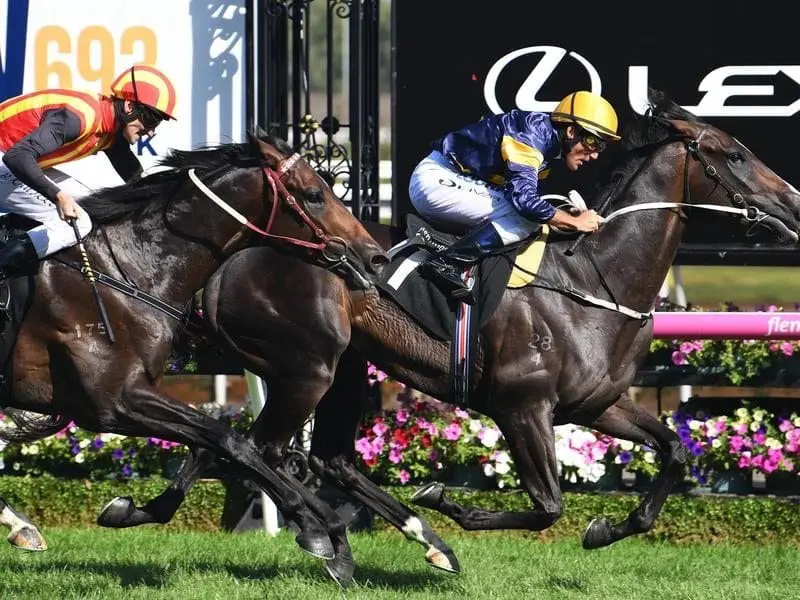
<point x="625" y="457"/>
<point x="75" y="449"/>
<point x="696" y="449"/>
<point x="97" y="443"/>
<point x="117" y="454"/>
<point x="127" y="470"/>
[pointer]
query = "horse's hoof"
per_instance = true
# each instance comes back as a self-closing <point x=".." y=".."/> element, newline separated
<point x="27" y="538"/>
<point x="446" y="561"/>
<point x="318" y="545"/>
<point x="117" y="512"/>
<point x="341" y="569"/>
<point x="597" y="534"/>
<point x="429" y="496"/>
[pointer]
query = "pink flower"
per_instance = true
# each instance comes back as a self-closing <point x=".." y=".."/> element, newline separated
<point x="741" y="428"/>
<point x="689" y="347"/>
<point x="785" y="425"/>
<point x="404" y="476"/>
<point x="395" y="456"/>
<point x="452" y="432"/>
<point x="759" y="438"/>
<point x="379" y="429"/>
<point x="757" y="461"/>
<point x="744" y="462"/>
<point x="770" y="466"/>
<point x="772" y="308"/>
<point x="401" y="416"/>
<point x="679" y="358"/>
<point x="735" y="443"/>
<point x="788" y="465"/>
<point x="787" y="348"/>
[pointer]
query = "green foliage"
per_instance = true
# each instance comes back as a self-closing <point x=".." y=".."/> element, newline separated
<point x="51" y="502"/>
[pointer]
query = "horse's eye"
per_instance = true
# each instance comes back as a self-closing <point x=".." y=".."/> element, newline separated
<point x="736" y="157"/>
<point x="314" y="196"/>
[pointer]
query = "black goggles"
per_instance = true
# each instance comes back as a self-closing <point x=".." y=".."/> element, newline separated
<point x="150" y="118"/>
<point x="593" y="143"/>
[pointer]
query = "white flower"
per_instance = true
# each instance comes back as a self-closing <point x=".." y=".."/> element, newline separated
<point x="716" y="443"/>
<point x="16" y="466"/>
<point x="694" y="424"/>
<point x="758" y="415"/>
<point x="490" y="437"/>
<point x="755" y="426"/>
<point x="84" y="443"/>
<point x="33" y="449"/>
<point x="742" y="413"/>
<point x="649" y="457"/>
<point x="502" y="468"/>
<point x="796" y="421"/>
<point x="502" y="457"/>
<point x="626" y="445"/>
<point x="501" y="484"/>
<point x="79" y="457"/>
<point x="773" y="444"/>
<point x="23" y="450"/>
<point x="488" y="469"/>
<point x="475" y="426"/>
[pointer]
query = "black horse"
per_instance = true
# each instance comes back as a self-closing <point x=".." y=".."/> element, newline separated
<point x="155" y="243"/>
<point x="593" y="306"/>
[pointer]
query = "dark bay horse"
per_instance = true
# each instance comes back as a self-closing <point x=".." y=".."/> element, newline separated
<point x="156" y="242"/>
<point x="672" y="163"/>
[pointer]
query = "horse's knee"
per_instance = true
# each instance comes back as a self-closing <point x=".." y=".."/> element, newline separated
<point x="550" y="513"/>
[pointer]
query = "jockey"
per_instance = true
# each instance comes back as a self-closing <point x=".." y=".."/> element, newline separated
<point x="50" y="127"/>
<point x="485" y="178"/>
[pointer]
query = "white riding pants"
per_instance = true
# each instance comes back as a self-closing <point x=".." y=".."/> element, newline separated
<point x="53" y="234"/>
<point x="444" y="195"/>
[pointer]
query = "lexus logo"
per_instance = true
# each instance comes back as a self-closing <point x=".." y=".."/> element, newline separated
<point x="716" y="88"/>
<point x="527" y="97"/>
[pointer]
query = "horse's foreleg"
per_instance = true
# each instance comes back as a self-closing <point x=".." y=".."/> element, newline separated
<point x="122" y="512"/>
<point x="629" y="421"/>
<point x="24" y="534"/>
<point x="332" y="452"/>
<point x="530" y="437"/>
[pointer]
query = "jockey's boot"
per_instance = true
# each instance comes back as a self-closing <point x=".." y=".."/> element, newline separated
<point x="445" y="268"/>
<point x="17" y="252"/>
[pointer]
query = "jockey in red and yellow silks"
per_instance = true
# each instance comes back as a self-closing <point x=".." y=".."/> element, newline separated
<point x="50" y="127"/>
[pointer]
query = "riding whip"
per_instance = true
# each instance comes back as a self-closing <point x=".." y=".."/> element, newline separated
<point x="87" y="270"/>
<point x="603" y="207"/>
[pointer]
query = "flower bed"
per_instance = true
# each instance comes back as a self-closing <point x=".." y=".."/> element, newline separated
<point x="425" y="440"/>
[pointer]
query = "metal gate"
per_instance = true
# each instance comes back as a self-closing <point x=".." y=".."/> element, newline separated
<point x="324" y="103"/>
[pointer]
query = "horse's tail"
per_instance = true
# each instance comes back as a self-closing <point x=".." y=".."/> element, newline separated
<point x="30" y="426"/>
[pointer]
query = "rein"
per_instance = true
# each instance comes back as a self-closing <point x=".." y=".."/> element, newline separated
<point x="332" y="248"/>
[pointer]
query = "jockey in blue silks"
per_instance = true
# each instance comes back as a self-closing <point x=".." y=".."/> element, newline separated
<point x="485" y="178"/>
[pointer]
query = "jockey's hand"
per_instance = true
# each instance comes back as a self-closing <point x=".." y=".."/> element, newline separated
<point x="588" y="221"/>
<point x="67" y="207"/>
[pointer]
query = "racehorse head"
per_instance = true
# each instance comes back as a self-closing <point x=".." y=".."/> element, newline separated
<point x="718" y="169"/>
<point x="303" y="203"/>
<point x="228" y="197"/>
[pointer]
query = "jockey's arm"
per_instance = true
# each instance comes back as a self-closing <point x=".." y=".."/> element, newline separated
<point x="57" y="127"/>
<point x="124" y="160"/>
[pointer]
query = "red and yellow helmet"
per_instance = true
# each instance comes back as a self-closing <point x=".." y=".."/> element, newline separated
<point x="146" y="85"/>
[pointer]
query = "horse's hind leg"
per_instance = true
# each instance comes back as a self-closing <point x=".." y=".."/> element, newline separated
<point x="143" y="411"/>
<point x="122" y="512"/>
<point x="629" y="421"/>
<point x="24" y="534"/>
<point x="332" y="452"/>
<point x="530" y="437"/>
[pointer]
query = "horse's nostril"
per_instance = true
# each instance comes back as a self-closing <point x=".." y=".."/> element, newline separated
<point x="377" y="262"/>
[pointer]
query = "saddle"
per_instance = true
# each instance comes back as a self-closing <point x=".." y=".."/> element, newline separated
<point x="441" y="317"/>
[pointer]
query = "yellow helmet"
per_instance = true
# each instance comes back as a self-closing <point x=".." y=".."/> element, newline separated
<point x="591" y="111"/>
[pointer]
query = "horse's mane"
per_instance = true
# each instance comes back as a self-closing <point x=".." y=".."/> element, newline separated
<point x="151" y="193"/>
<point x="641" y="134"/>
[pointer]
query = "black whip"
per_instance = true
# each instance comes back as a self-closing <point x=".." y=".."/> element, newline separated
<point x="89" y="273"/>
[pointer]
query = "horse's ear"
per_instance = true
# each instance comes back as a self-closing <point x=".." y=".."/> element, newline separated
<point x="269" y="154"/>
